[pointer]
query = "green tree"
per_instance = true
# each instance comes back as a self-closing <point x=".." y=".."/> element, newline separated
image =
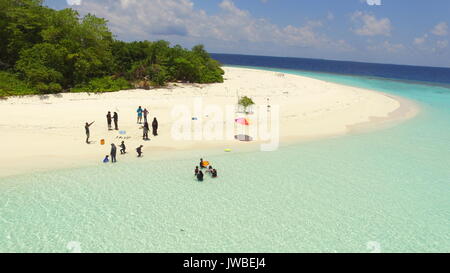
<point x="246" y="102"/>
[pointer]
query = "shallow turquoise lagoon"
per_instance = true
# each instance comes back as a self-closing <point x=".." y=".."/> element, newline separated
<point x="385" y="191"/>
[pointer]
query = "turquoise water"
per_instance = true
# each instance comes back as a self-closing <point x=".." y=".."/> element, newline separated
<point x="391" y="187"/>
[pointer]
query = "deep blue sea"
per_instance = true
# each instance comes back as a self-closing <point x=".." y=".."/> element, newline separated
<point x="440" y="75"/>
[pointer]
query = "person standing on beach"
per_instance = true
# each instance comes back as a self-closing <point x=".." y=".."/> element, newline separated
<point x="113" y="153"/>
<point x="145" y="112"/>
<point x="155" y="127"/>
<point x="139" y="113"/>
<point x="116" y="121"/>
<point x="86" y="127"/>
<point x="123" y="148"/>
<point x="139" y="150"/>
<point x="146" y="129"/>
<point x="109" y="120"/>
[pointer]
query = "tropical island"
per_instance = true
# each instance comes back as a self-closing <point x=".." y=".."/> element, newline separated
<point x="44" y="51"/>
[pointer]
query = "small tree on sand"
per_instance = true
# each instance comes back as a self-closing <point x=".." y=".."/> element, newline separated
<point x="246" y="102"/>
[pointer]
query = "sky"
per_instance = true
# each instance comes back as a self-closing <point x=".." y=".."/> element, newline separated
<point x="412" y="32"/>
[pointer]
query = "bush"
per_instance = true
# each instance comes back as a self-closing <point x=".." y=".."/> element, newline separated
<point x="11" y="85"/>
<point x="105" y="84"/>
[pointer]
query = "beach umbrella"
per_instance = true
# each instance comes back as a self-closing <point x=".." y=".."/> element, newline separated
<point x="242" y="121"/>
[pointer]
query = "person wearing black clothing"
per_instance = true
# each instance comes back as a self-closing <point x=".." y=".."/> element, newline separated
<point x="113" y="153"/>
<point x="200" y="176"/>
<point x="123" y="148"/>
<point x="196" y="170"/>
<point x="109" y="120"/>
<point x="214" y="173"/>
<point x="155" y="127"/>
<point x="145" y="133"/>
<point x="139" y="150"/>
<point x="116" y="121"/>
<point x="86" y="127"/>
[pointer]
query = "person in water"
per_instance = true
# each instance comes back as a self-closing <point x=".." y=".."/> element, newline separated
<point x="196" y="170"/>
<point x="214" y="173"/>
<point x="86" y="127"/>
<point x="145" y="112"/>
<point x="139" y="115"/>
<point x="113" y="153"/>
<point x="155" y="127"/>
<point x="106" y="160"/>
<point x="200" y="176"/>
<point x="109" y="120"/>
<point x="209" y="170"/>
<point x="201" y="163"/>
<point x="116" y="121"/>
<point x="139" y="150"/>
<point x="123" y="148"/>
<point x="145" y="131"/>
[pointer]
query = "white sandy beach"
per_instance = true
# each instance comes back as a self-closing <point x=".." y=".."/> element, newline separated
<point x="47" y="132"/>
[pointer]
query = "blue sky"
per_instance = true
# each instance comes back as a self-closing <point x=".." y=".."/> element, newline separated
<point x="414" y="32"/>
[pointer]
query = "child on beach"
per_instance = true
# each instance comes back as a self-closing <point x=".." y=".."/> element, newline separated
<point x="139" y="150"/>
<point x="106" y="160"/>
<point x="196" y="170"/>
<point x="123" y="148"/>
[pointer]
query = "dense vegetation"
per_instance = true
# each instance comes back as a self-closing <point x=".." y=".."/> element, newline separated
<point x="49" y="51"/>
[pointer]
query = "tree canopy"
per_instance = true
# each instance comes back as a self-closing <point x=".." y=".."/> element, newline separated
<point x="58" y="50"/>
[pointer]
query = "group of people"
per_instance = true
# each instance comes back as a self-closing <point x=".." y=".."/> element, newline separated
<point x="123" y="150"/>
<point x="209" y="170"/>
<point x="110" y="118"/>
<point x="146" y="128"/>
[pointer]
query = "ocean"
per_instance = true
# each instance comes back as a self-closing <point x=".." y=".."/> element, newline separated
<point x="383" y="191"/>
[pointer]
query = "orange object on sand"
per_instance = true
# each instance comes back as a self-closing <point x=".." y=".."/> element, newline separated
<point x="102" y="142"/>
<point x="205" y="163"/>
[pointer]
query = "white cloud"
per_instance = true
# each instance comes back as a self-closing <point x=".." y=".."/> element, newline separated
<point x="420" y="40"/>
<point x="330" y="16"/>
<point x="369" y="25"/>
<point x="440" y="29"/>
<point x="442" y="44"/>
<point x="387" y="46"/>
<point x="139" y="19"/>
<point x="431" y="43"/>
<point x="74" y="2"/>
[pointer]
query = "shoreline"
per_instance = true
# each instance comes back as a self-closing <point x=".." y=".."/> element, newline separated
<point x="53" y="139"/>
